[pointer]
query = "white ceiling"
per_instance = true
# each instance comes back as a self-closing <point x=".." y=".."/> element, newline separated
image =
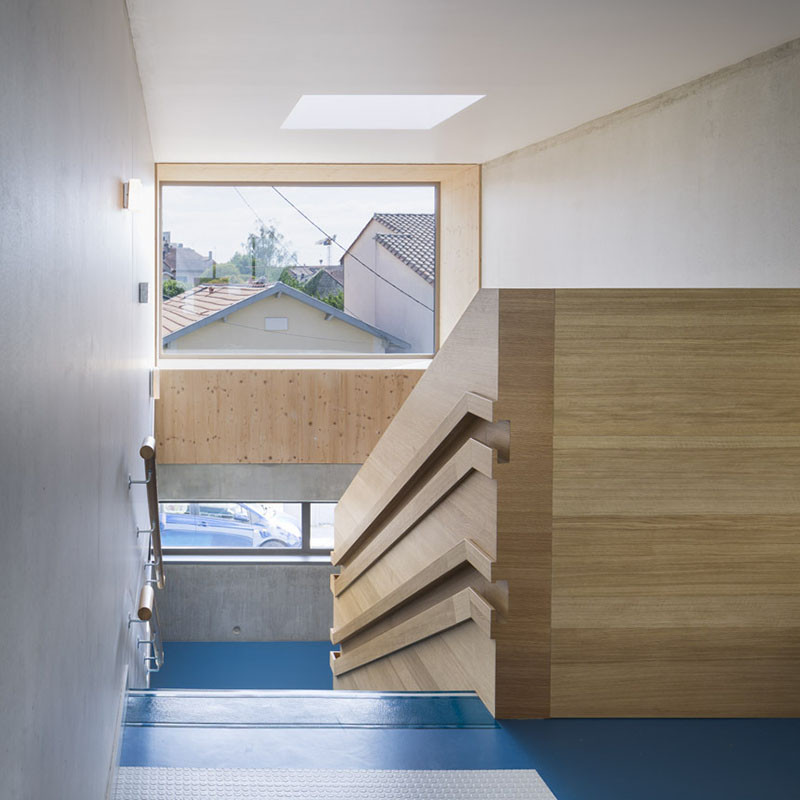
<point x="219" y="78"/>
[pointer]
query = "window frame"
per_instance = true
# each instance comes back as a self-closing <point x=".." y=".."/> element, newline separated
<point x="305" y="548"/>
<point x="457" y="207"/>
<point x="166" y="354"/>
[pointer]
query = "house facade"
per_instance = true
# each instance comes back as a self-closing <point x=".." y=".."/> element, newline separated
<point x="389" y="276"/>
<point x="183" y="264"/>
<point x="247" y="319"/>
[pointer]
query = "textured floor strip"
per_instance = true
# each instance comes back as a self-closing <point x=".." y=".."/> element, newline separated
<point x="313" y="709"/>
<point x="147" y="783"/>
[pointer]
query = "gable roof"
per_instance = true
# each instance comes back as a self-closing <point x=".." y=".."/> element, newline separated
<point x="208" y="303"/>
<point x="337" y="273"/>
<point x="413" y="240"/>
<point x="202" y="302"/>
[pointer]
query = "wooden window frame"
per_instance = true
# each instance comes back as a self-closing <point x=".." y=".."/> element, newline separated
<point x="458" y="263"/>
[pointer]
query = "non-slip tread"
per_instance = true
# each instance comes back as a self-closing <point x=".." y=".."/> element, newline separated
<point x="178" y="783"/>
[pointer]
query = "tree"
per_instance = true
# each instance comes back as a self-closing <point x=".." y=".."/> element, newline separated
<point x="288" y="279"/>
<point x="171" y="288"/>
<point x="335" y="299"/>
<point x="226" y="270"/>
<point x="265" y="253"/>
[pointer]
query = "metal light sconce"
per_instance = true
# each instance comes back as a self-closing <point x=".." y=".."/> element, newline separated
<point x="132" y="195"/>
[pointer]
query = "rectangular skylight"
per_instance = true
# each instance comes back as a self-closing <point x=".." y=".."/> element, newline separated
<point x="375" y="111"/>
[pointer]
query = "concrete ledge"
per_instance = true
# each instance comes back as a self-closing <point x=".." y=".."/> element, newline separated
<point x="315" y="483"/>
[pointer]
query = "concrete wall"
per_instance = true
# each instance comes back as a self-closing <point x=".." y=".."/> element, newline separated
<point x="696" y="188"/>
<point x="287" y="483"/>
<point x="75" y="348"/>
<point x="267" y="602"/>
<point x="308" y="331"/>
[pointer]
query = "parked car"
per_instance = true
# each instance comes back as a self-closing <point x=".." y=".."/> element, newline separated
<point x="227" y="525"/>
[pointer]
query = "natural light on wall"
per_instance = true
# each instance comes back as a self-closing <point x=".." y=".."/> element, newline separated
<point x="375" y="111"/>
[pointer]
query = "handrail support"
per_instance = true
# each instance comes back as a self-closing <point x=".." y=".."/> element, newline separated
<point x="147" y="480"/>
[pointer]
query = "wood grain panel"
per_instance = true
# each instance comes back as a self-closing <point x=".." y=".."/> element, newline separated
<point x="676" y="672"/>
<point x="468" y="407"/>
<point x="448" y="613"/>
<point x="525" y="501"/>
<point x="467" y="512"/>
<point x="646" y="512"/>
<point x="471" y="456"/>
<point x="464" y="553"/>
<point x="460" y="659"/>
<point x="676" y="510"/>
<point x="688" y="478"/>
<point x="671" y="362"/>
<point x="276" y="416"/>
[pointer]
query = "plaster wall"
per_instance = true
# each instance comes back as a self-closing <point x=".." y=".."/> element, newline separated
<point x="76" y="347"/>
<point x="697" y="187"/>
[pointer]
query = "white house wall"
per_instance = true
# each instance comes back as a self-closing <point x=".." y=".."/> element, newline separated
<point x="378" y="302"/>
<point x="695" y="188"/>
<point x="76" y="347"/>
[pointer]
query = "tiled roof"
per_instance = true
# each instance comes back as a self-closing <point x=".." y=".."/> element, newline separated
<point x="303" y="273"/>
<point x="201" y="302"/>
<point x="337" y="273"/>
<point x="413" y="240"/>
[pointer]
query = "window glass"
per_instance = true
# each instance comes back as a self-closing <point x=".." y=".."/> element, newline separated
<point x="322" y="526"/>
<point x="231" y="525"/>
<point x="298" y="269"/>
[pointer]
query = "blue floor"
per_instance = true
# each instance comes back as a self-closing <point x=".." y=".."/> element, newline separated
<point x="597" y="759"/>
<point x="244" y="665"/>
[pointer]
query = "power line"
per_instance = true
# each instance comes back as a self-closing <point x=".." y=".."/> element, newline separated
<point x="328" y="236"/>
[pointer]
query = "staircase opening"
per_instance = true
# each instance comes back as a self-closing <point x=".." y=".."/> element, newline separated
<point x="247" y="605"/>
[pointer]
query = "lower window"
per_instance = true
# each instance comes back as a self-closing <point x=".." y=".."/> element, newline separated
<point x="257" y="527"/>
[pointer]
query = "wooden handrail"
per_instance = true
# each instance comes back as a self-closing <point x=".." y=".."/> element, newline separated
<point x="462" y="606"/>
<point x="147" y="599"/>
<point x="471" y="456"/>
<point x="465" y="552"/>
<point x="148" y="452"/>
<point x="469" y="404"/>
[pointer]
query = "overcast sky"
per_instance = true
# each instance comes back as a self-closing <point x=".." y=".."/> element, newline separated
<point x="217" y="219"/>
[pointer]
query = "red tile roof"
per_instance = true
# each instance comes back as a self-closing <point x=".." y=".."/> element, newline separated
<point x="203" y="301"/>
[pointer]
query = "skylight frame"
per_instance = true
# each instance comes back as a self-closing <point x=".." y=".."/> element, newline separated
<point x="376" y="112"/>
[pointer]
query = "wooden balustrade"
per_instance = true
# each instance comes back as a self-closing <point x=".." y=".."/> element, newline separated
<point x="564" y="515"/>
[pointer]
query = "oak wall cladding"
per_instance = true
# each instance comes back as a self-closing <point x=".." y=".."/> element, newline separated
<point x="633" y="549"/>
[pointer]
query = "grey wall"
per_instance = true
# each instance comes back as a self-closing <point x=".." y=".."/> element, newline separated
<point x="75" y="348"/>
<point x="313" y="483"/>
<point x="696" y="188"/>
<point x="268" y="602"/>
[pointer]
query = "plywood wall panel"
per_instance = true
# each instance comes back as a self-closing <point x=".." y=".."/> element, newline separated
<point x="676" y="510"/>
<point x="276" y="416"/>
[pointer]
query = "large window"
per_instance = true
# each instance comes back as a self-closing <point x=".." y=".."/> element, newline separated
<point x="246" y="527"/>
<point x="250" y="270"/>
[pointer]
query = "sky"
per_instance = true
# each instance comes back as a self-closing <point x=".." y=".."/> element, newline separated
<point x="218" y="219"/>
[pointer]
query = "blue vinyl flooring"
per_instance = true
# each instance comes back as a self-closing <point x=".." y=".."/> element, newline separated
<point x="244" y="665"/>
<point x="580" y="759"/>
